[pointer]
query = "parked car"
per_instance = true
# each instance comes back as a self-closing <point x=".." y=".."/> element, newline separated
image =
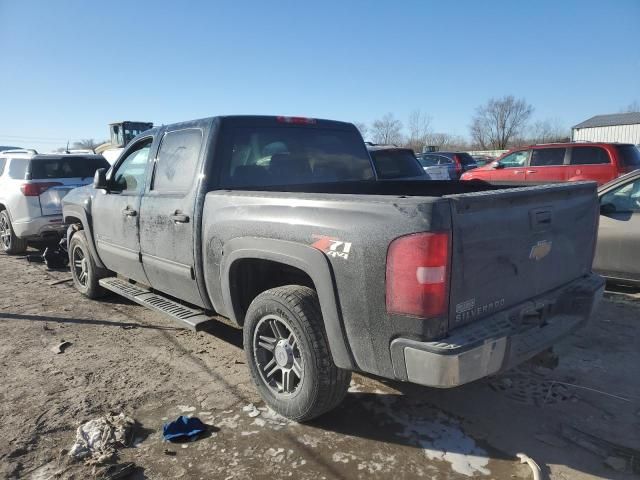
<point x="617" y="254"/>
<point x="31" y="190"/>
<point x="436" y="168"/>
<point x="278" y="226"/>
<point x="392" y="163"/>
<point x="457" y="162"/>
<point x="561" y="162"/>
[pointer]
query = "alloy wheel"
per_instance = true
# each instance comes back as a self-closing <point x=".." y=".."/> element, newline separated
<point x="5" y="233"/>
<point x="277" y="354"/>
<point x="80" y="266"/>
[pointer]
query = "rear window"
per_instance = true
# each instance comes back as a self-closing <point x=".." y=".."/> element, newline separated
<point x="273" y="156"/>
<point x="396" y="164"/>
<point x="3" y="162"/>
<point x="17" y="168"/>
<point x="589" y="156"/>
<point x="465" y="159"/>
<point x="66" y="167"/>
<point x="547" y="156"/>
<point x="630" y="155"/>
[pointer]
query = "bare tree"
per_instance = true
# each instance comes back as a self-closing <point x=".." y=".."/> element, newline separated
<point x="547" y="131"/>
<point x="632" y="107"/>
<point x="499" y="121"/>
<point x="446" y="141"/>
<point x="363" y="128"/>
<point x="419" y="126"/>
<point x="387" y="130"/>
<point x="86" y="144"/>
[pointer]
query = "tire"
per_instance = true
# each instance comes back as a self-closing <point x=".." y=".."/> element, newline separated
<point x="9" y="243"/>
<point x="297" y="344"/>
<point x="84" y="271"/>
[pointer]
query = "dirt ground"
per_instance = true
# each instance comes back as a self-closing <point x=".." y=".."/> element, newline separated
<point x="123" y="358"/>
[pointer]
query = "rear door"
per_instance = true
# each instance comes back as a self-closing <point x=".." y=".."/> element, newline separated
<point x="546" y="165"/>
<point x="511" y="245"/>
<point x="590" y="163"/>
<point x="167" y="219"/>
<point x="617" y="253"/>
<point x="116" y="213"/>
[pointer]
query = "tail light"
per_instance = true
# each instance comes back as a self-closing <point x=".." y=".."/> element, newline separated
<point x="458" y="163"/>
<point x="418" y="275"/>
<point x="297" y="120"/>
<point x="37" y="189"/>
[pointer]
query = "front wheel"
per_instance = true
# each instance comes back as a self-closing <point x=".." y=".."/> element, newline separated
<point x="288" y="354"/>
<point x="84" y="270"/>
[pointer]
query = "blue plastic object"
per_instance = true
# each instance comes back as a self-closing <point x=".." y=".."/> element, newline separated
<point x="184" y="428"/>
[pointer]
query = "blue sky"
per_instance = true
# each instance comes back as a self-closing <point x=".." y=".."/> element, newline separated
<point x="68" y="68"/>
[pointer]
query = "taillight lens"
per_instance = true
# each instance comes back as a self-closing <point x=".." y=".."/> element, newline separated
<point x="456" y="159"/>
<point x="36" y="189"/>
<point x="297" y="120"/>
<point x="418" y="275"/>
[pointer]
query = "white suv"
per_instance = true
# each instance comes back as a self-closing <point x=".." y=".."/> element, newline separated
<point x="31" y="190"/>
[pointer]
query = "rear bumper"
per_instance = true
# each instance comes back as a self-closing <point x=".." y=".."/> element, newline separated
<point x="499" y="342"/>
<point x="40" y="227"/>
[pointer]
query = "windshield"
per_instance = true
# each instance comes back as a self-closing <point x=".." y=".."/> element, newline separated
<point x="630" y="155"/>
<point x="271" y="156"/>
<point x="66" y="167"/>
<point x="396" y="164"/>
<point x="465" y="159"/>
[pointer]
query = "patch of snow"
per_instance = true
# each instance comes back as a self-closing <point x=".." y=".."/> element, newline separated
<point x="186" y="408"/>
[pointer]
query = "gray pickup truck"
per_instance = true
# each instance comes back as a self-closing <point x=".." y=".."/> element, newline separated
<point x="279" y="226"/>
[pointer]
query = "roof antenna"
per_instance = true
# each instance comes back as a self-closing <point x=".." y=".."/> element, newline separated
<point x="67" y="149"/>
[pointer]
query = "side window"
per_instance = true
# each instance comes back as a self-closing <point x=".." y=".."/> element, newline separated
<point x="625" y="199"/>
<point x="17" y="168"/>
<point x="177" y="160"/>
<point x="516" y="159"/>
<point x="546" y="157"/>
<point x="588" y="156"/>
<point x="129" y="176"/>
<point x="3" y="162"/>
<point x="442" y="160"/>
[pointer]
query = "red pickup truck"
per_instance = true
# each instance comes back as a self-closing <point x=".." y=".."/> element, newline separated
<point x="560" y="162"/>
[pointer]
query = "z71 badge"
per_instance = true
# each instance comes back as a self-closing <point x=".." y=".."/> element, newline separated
<point x="332" y="247"/>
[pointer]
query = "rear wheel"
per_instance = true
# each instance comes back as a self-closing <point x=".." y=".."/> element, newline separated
<point x="84" y="271"/>
<point x="9" y="243"/>
<point x="288" y="354"/>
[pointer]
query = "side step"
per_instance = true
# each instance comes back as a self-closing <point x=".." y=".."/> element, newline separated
<point x="191" y="318"/>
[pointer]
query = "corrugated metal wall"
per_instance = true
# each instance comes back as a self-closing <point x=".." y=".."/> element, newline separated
<point x="617" y="133"/>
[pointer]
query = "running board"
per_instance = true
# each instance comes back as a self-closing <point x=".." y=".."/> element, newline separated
<point x="191" y="318"/>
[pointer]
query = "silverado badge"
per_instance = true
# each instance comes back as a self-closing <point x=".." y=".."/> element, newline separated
<point x="540" y="250"/>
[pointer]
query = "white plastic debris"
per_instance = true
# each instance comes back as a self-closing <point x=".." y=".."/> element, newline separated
<point x="99" y="438"/>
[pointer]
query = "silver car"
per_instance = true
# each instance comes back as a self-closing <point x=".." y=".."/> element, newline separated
<point x="31" y="190"/>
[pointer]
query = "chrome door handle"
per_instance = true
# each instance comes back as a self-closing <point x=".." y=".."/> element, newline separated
<point x="531" y="171"/>
<point x="179" y="218"/>
<point x="128" y="212"/>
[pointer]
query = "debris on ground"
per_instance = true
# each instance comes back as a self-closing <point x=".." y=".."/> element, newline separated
<point x="58" y="282"/>
<point x="183" y="429"/>
<point x="61" y="347"/>
<point x="535" y="468"/>
<point x="97" y="440"/>
<point x="251" y="410"/>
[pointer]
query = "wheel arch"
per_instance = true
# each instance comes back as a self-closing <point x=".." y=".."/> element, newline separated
<point x="305" y="263"/>
<point x="79" y="218"/>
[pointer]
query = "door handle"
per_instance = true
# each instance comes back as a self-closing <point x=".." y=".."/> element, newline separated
<point x="178" y="217"/>
<point x="531" y="171"/>
<point x="128" y="212"/>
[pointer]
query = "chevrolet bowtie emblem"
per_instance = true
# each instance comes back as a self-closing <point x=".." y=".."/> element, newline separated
<point x="540" y="250"/>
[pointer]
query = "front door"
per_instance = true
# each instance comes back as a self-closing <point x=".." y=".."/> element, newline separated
<point x="167" y="219"/>
<point x="617" y="253"/>
<point x="116" y="213"/>
<point x="511" y="168"/>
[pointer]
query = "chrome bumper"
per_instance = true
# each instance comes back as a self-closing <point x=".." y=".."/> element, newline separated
<point x="499" y="342"/>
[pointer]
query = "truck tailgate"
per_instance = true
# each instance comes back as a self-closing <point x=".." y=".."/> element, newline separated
<point x="512" y="245"/>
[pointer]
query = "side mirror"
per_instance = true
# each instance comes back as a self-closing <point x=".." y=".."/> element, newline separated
<point x="497" y="165"/>
<point x="100" y="179"/>
<point x="607" y="208"/>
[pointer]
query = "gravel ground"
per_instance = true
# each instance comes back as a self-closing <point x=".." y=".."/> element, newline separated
<point x="123" y="358"/>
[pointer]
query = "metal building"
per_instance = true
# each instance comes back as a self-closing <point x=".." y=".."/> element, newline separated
<point x="617" y="127"/>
